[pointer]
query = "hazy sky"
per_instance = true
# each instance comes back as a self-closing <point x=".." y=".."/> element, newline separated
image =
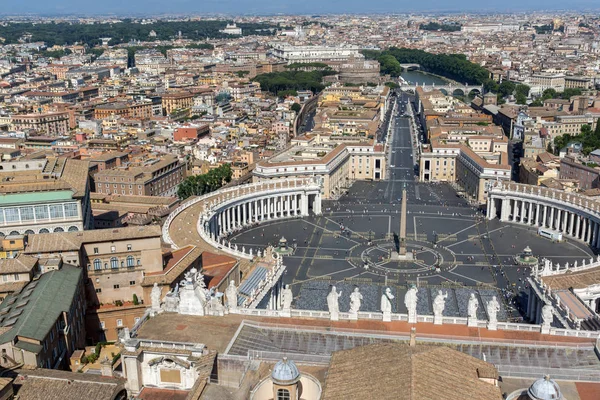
<point x="281" y="6"/>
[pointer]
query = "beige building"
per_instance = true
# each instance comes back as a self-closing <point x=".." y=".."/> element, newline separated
<point x="156" y="177"/>
<point x="53" y="124"/>
<point x="338" y="165"/>
<point x="177" y="101"/>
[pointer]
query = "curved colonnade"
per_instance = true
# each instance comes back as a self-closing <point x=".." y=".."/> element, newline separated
<point x="225" y="211"/>
<point x="572" y="214"/>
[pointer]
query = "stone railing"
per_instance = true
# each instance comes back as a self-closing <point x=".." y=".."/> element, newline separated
<point x="549" y="270"/>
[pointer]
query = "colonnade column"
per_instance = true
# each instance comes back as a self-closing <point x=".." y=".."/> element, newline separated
<point x="530" y="218"/>
<point x="551" y="225"/>
<point x="584" y="230"/>
<point x="571" y="223"/>
<point x="544" y="219"/>
<point x="577" y="226"/>
<point x="514" y="213"/>
<point x="522" y="215"/>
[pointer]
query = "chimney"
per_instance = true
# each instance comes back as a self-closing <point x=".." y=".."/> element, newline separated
<point x="413" y="337"/>
<point x="106" y="367"/>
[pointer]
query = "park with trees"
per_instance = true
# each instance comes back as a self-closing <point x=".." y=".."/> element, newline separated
<point x="197" y="185"/>
<point x="288" y="82"/>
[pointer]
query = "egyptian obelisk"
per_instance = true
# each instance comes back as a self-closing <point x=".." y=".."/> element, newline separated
<point x="402" y="237"/>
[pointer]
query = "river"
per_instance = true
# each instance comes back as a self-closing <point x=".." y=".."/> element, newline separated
<point x="419" y="77"/>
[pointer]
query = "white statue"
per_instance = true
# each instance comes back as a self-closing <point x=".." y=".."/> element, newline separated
<point x="231" y="293"/>
<point x="410" y="301"/>
<point x="155" y="297"/>
<point x="547" y="317"/>
<point x="386" y="301"/>
<point x="355" y="301"/>
<point x="286" y="298"/>
<point x="333" y="301"/>
<point x="472" y="307"/>
<point x="492" y="310"/>
<point x="439" y="303"/>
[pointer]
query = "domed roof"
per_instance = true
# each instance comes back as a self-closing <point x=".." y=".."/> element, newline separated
<point x="285" y="372"/>
<point x="544" y="389"/>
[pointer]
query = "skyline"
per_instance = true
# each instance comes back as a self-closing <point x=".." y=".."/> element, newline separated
<point x="285" y="7"/>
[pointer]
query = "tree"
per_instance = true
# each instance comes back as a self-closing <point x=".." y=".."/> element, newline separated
<point x="597" y="130"/>
<point x="389" y="65"/>
<point x="506" y="88"/>
<point x="549" y="94"/>
<point x="568" y="93"/>
<point x="536" y="103"/>
<point x="522" y="89"/>
<point x="296" y="107"/>
<point x="135" y="300"/>
<point x="490" y="85"/>
<point x="197" y="185"/>
<point x="392" y="85"/>
<point x="521" y="99"/>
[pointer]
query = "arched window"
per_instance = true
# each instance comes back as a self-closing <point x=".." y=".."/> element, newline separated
<point x="73" y="229"/>
<point x="114" y="263"/>
<point x="59" y="230"/>
<point x="44" y="230"/>
<point x="97" y="265"/>
<point x="139" y="262"/>
<point x="283" y="394"/>
<point x="130" y="261"/>
<point x="29" y="232"/>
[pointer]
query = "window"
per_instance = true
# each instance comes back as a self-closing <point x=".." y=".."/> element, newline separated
<point x="12" y="214"/>
<point x="98" y="290"/>
<point x="71" y="210"/>
<point x="139" y="262"/>
<point x="132" y="283"/>
<point x="102" y="326"/>
<point x="56" y="211"/>
<point x="27" y="213"/>
<point x="119" y="322"/>
<point x="96" y="250"/>
<point x="115" y="286"/>
<point x="130" y="262"/>
<point x="283" y="394"/>
<point x="114" y="263"/>
<point x="16" y="277"/>
<point x="129" y="247"/>
<point x="113" y="249"/>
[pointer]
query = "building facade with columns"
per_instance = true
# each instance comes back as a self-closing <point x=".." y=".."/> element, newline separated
<point x="338" y="165"/>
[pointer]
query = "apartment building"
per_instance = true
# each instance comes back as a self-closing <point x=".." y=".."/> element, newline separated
<point x="155" y="177"/>
<point x="587" y="173"/>
<point x="43" y="324"/>
<point x="17" y="272"/>
<point x="176" y="101"/>
<point x="54" y="124"/>
<point x="46" y="195"/>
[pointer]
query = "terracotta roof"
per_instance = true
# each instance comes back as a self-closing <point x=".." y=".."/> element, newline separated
<point x="19" y="264"/>
<point x="177" y="265"/>
<point x="72" y="241"/>
<point x="399" y="371"/>
<point x="50" y="384"/>
<point x="577" y="280"/>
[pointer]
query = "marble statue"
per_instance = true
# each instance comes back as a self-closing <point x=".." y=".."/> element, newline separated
<point x="155" y="297"/>
<point x="386" y="304"/>
<point x="286" y="298"/>
<point x="439" y="303"/>
<point x="333" y="303"/>
<point x="472" y="307"/>
<point x="492" y="310"/>
<point x="231" y="293"/>
<point x="355" y="301"/>
<point x="547" y="317"/>
<point x="410" y="301"/>
<point x="171" y="300"/>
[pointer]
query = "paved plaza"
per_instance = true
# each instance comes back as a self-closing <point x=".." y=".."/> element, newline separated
<point x="454" y="246"/>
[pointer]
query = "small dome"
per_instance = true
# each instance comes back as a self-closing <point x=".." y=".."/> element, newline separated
<point x="285" y="372"/>
<point x="544" y="389"/>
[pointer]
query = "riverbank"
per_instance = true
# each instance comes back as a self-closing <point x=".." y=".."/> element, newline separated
<point x="420" y="77"/>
